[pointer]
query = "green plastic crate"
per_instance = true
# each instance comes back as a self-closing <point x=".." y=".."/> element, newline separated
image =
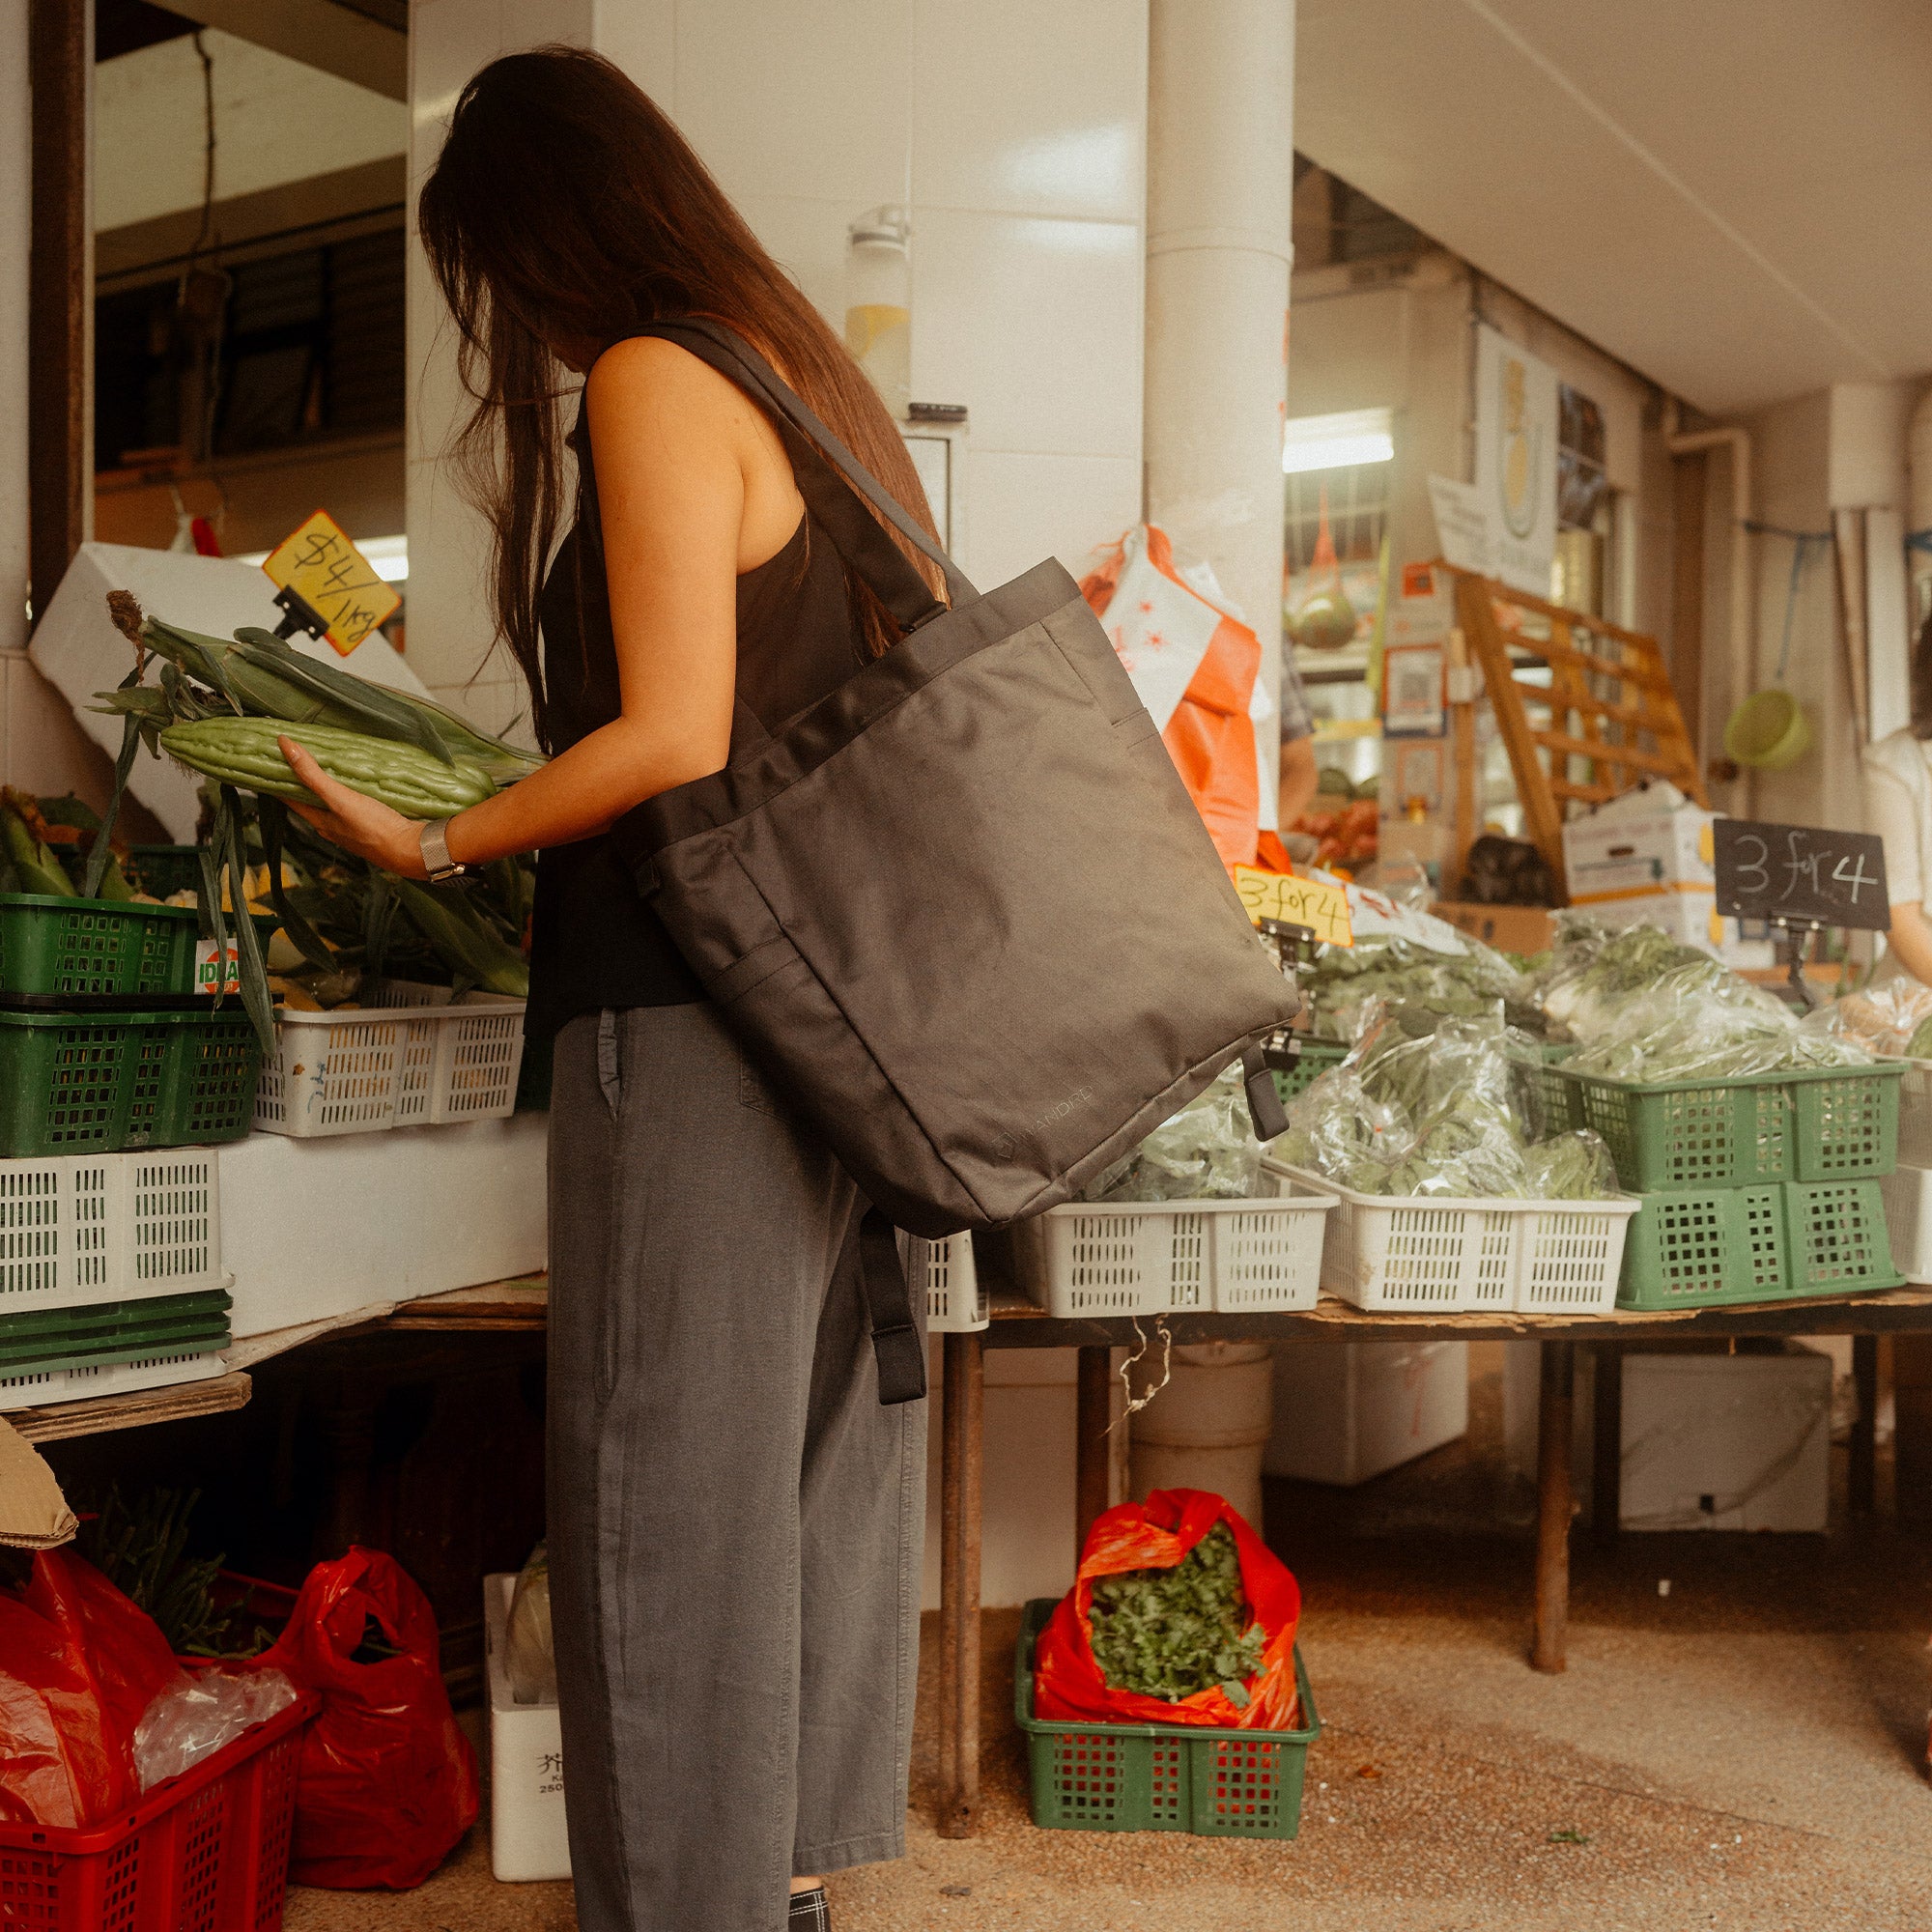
<point x="167" y="869"/>
<point x="1700" y="1247"/>
<point x="114" y="1331"/>
<point x="91" y="947"/>
<point x="1160" y="1777"/>
<point x="99" y="1082"/>
<point x="1826" y="1123"/>
<point x="1314" y="1059"/>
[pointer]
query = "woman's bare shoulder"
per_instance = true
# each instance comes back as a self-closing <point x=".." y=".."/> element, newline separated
<point x="647" y="373"/>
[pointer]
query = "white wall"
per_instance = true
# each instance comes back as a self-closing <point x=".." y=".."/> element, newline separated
<point x="1015" y="134"/>
<point x="276" y="121"/>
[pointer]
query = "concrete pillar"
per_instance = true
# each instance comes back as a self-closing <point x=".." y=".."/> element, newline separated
<point x="16" y="203"/>
<point x="1220" y="194"/>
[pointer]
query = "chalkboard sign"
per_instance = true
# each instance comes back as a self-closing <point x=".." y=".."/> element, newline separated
<point x="1800" y="874"/>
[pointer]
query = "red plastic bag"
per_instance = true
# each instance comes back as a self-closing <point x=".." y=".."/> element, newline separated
<point x="1155" y="1535"/>
<point x="79" y="1663"/>
<point x="387" y="1784"/>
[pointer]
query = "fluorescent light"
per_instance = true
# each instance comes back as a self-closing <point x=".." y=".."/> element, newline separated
<point x="1335" y="442"/>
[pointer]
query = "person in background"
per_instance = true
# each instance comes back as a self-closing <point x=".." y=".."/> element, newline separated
<point x="735" y="1521"/>
<point x="1298" y="776"/>
<point x="1898" y="807"/>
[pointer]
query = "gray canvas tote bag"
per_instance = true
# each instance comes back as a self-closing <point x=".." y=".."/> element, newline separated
<point x="962" y="909"/>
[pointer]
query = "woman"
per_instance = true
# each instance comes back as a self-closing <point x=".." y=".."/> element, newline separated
<point x="1899" y="808"/>
<point x="734" y="1519"/>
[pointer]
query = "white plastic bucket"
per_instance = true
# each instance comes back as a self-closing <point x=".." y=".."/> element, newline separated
<point x="1207" y="1427"/>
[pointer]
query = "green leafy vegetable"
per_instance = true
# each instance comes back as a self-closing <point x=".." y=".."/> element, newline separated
<point x="1171" y="1633"/>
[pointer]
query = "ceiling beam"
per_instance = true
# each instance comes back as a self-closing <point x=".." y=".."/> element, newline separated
<point x="319" y="33"/>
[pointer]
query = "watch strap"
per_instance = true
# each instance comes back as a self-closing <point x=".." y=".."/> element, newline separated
<point x="434" y="842"/>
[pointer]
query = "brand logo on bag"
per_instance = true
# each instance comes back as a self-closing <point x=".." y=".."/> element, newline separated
<point x="1006" y="1146"/>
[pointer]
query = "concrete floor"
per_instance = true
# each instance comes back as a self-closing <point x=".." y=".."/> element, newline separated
<point x="1744" y="1753"/>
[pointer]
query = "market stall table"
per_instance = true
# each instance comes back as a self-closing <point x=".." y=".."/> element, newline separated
<point x="1017" y="1324"/>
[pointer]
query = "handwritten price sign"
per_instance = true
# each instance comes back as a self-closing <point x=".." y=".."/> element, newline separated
<point x="334" y="578"/>
<point x="1323" y="909"/>
<point x="1801" y="875"/>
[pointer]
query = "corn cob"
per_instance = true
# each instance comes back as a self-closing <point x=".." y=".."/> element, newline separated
<point x="242" y="751"/>
<point x="462" y="939"/>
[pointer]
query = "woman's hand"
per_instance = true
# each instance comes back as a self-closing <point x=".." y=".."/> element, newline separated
<point x="353" y="820"/>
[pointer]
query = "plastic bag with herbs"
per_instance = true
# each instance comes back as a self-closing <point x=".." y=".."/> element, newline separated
<point x="1207" y="1152"/>
<point x="1442" y="1105"/>
<point x="1344" y="980"/>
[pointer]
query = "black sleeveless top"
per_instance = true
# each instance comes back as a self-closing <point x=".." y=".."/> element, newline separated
<point x="594" y="941"/>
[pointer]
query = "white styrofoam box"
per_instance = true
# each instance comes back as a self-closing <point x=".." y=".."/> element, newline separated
<point x="412" y="1056"/>
<point x="1726" y="1441"/>
<point x="1431" y="1253"/>
<point x="1689" y="916"/>
<point x="312" y="1229"/>
<point x="1644" y="842"/>
<point x="79" y="651"/>
<point x="1345" y="1411"/>
<point x="36" y="1388"/>
<point x="956" y="1297"/>
<point x="1907" y="1193"/>
<point x="528" y="1834"/>
<point x="78" y="1229"/>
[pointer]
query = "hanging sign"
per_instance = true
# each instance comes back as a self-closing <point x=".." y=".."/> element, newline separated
<point x="1516" y="421"/>
<point x="321" y="568"/>
<point x="1800" y="874"/>
<point x="1322" y="908"/>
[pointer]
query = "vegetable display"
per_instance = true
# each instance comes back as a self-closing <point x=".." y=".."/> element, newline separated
<point x="1344" y="979"/>
<point x="49" y="847"/>
<point x="1440" y="1104"/>
<point x="1207" y="1152"/>
<point x="1172" y="1632"/>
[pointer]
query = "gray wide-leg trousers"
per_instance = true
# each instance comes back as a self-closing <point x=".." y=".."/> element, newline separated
<point x="735" y="1521"/>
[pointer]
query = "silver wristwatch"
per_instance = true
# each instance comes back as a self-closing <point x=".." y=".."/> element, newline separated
<point x="433" y="840"/>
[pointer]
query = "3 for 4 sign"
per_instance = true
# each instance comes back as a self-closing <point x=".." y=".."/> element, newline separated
<point x="1800" y="874"/>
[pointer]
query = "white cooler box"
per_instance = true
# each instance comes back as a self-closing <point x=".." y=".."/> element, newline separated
<point x="528" y="1838"/>
<point x="1345" y="1411"/>
<point x="313" y="1229"/>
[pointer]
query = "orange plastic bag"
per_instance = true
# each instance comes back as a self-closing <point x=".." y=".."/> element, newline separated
<point x="79" y="1664"/>
<point x="387" y="1782"/>
<point x="1155" y="1535"/>
<point x="1194" y="666"/>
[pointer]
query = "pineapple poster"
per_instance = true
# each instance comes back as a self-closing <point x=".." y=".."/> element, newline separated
<point x="1516" y="459"/>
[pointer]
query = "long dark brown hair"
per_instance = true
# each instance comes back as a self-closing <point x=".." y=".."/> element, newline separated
<point x="566" y="206"/>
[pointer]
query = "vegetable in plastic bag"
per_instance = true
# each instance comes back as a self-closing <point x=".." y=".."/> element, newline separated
<point x="1133" y="1539"/>
<point x="1168" y="1633"/>
<point x="1207" y="1152"/>
<point x="530" y="1654"/>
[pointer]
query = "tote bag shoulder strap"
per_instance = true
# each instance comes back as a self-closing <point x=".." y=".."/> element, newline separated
<point x="829" y="478"/>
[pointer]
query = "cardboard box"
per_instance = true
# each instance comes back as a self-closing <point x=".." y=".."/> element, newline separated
<point x="1726" y="1441"/>
<point x="1345" y="1411"/>
<point x="528" y="1836"/>
<point x="1645" y="841"/>
<point x="1508" y="928"/>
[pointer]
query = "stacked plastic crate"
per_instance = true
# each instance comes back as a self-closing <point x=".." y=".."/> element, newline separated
<point x="1760" y="1188"/>
<point x="116" y="1081"/>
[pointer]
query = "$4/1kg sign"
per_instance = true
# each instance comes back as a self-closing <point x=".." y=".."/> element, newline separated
<point x="1800" y="874"/>
<point x="322" y="567"/>
<point x="1314" y="903"/>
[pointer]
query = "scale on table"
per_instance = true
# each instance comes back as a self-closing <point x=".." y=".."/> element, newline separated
<point x="1798" y="879"/>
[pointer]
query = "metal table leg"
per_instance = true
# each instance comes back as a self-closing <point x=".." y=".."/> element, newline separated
<point x="1553" y="1503"/>
<point x="960" y="1589"/>
<point x="1090" y="1465"/>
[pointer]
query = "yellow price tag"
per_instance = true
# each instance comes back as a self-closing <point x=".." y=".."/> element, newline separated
<point x="333" y="578"/>
<point x="1323" y="908"/>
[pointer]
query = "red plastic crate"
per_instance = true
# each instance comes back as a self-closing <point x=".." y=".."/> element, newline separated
<point x="206" y="1852"/>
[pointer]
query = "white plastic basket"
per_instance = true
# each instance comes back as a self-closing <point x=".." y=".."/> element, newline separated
<point x="80" y="1229"/>
<point x="1435" y="1255"/>
<point x="412" y="1057"/>
<point x="1153" y="1258"/>
<point x="955" y="1298"/>
<point x="1915" y="1115"/>
<point x="1907" y="1193"/>
<point x="36" y="1388"/>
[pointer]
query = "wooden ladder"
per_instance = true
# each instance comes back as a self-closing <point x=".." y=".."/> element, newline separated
<point x="1612" y="719"/>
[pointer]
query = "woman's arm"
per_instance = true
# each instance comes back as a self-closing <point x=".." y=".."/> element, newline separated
<point x="680" y="455"/>
<point x="1910" y="938"/>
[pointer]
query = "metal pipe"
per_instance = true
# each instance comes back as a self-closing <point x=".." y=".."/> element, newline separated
<point x="1555" y="1399"/>
<point x="960" y="1588"/>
